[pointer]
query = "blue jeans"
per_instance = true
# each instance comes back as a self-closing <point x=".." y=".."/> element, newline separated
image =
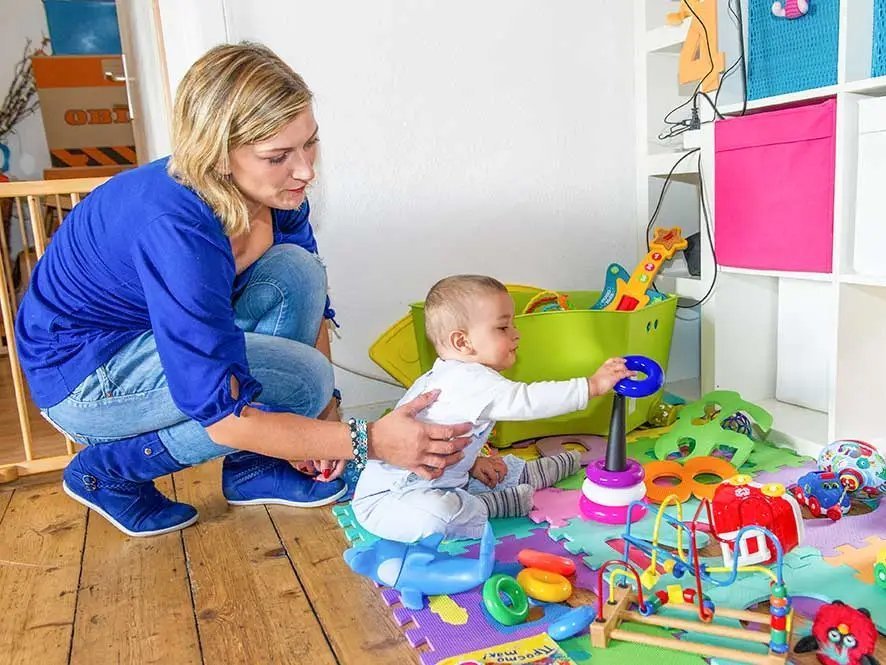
<point x="280" y="310"/>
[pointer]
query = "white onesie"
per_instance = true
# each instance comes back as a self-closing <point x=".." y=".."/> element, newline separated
<point x="396" y="504"/>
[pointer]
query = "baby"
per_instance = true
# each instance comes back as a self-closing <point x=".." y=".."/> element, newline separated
<point x="470" y="321"/>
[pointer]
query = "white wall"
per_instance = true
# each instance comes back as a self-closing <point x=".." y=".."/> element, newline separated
<point x="492" y="137"/>
<point x="22" y="20"/>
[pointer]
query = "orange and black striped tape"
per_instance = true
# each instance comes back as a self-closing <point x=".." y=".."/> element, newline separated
<point x="114" y="155"/>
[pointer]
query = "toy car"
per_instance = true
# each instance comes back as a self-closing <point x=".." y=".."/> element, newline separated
<point x="822" y="493"/>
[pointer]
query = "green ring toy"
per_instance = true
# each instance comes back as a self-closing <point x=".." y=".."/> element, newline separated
<point x="504" y="614"/>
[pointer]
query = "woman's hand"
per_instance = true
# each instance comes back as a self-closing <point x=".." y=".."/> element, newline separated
<point x="423" y="448"/>
<point x="323" y="470"/>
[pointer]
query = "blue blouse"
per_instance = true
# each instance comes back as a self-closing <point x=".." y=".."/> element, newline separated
<point x="143" y="252"/>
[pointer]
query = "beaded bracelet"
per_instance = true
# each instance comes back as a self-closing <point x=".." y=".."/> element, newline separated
<point x="359" y="441"/>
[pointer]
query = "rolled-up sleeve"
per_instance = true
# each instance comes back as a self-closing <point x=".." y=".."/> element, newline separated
<point x="187" y="273"/>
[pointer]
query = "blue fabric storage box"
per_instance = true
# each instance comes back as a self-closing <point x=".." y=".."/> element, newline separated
<point x="787" y="55"/>
<point x="79" y="27"/>
<point x="878" y="59"/>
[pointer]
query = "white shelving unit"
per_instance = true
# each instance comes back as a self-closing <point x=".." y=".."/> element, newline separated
<point x="739" y="343"/>
<point x="657" y="52"/>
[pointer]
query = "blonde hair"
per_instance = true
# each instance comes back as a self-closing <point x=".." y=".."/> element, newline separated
<point x="448" y="304"/>
<point x="234" y="95"/>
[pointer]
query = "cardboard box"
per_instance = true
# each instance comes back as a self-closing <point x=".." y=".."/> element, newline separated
<point x="85" y="111"/>
<point x="84" y="172"/>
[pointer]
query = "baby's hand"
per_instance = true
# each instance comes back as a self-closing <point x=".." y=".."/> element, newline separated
<point x="610" y="373"/>
<point x="489" y="470"/>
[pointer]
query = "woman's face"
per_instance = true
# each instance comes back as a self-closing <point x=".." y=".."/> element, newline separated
<point x="275" y="172"/>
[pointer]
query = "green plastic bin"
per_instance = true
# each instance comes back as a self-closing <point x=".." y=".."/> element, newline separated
<point x="565" y="344"/>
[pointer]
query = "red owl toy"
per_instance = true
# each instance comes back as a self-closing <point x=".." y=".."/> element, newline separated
<point x="841" y="635"/>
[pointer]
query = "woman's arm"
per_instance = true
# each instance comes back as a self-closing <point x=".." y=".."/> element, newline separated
<point x="397" y="438"/>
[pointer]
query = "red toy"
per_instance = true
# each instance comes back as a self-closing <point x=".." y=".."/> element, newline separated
<point x="842" y="635"/>
<point x="738" y="503"/>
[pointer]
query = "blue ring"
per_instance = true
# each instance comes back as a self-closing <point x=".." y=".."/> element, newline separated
<point x="641" y="387"/>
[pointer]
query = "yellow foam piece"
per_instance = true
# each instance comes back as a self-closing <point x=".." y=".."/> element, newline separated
<point x="448" y="610"/>
<point x="860" y="558"/>
<point x="528" y="453"/>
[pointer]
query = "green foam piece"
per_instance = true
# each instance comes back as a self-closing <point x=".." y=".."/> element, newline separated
<point x="590" y="538"/>
<point x="518" y="527"/>
<point x="768" y="457"/>
<point x="572" y="482"/>
<point x="355" y="533"/>
<point x="709" y="436"/>
<point x="618" y="653"/>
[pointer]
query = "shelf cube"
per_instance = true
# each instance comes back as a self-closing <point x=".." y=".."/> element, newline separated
<point x="787" y="55"/>
<point x="774" y="190"/>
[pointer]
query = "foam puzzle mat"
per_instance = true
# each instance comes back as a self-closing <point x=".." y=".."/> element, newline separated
<point x="834" y="561"/>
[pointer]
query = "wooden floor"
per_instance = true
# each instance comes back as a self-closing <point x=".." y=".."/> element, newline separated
<point x="243" y="585"/>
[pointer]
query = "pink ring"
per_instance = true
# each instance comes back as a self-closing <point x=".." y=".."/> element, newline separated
<point x="632" y="475"/>
<point x="609" y="514"/>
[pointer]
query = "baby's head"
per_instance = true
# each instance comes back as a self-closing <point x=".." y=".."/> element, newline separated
<point x="471" y="318"/>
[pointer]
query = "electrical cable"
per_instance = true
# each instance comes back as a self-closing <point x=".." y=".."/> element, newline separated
<point x="365" y="375"/>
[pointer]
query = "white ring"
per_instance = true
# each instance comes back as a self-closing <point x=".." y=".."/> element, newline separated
<point x="611" y="496"/>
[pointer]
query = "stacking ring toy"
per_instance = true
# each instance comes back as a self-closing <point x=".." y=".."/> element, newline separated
<point x="508" y="615"/>
<point x="641" y="387"/>
<point x="631" y="475"/>
<point x="544" y="586"/>
<point x="545" y="561"/>
<point x="573" y="622"/>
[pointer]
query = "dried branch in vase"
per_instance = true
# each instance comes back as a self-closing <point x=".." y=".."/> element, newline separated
<point x="21" y="98"/>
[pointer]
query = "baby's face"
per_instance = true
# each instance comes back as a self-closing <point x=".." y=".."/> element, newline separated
<point x="492" y="333"/>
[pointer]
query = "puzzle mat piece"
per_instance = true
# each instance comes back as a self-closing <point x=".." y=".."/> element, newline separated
<point x="729" y="643"/>
<point x="445" y="640"/>
<point x="590" y="538"/>
<point x="590" y="446"/>
<point x="806" y="574"/>
<point x="448" y="610"/>
<point x="518" y="527"/>
<point x="555" y="506"/>
<point x="861" y="559"/>
<point x="572" y="482"/>
<point x="506" y="553"/>
<point x="786" y="475"/>
<point x="619" y="653"/>
<point x="527" y="453"/>
<point x="826" y="535"/>
<point x="766" y="456"/>
<point x="356" y="534"/>
<point x="640" y="449"/>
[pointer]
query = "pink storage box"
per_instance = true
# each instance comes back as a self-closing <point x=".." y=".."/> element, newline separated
<point x="774" y="189"/>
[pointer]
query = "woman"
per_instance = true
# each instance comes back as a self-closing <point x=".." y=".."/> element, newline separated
<point x="180" y="314"/>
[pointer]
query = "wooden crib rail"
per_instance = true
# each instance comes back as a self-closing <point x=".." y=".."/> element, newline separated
<point x="39" y="207"/>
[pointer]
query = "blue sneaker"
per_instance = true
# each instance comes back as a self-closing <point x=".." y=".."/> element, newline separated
<point x="251" y="479"/>
<point x="116" y="480"/>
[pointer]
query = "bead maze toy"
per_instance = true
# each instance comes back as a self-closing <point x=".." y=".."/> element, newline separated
<point x="614" y="482"/>
<point x="626" y="295"/>
<point x="628" y="603"/>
